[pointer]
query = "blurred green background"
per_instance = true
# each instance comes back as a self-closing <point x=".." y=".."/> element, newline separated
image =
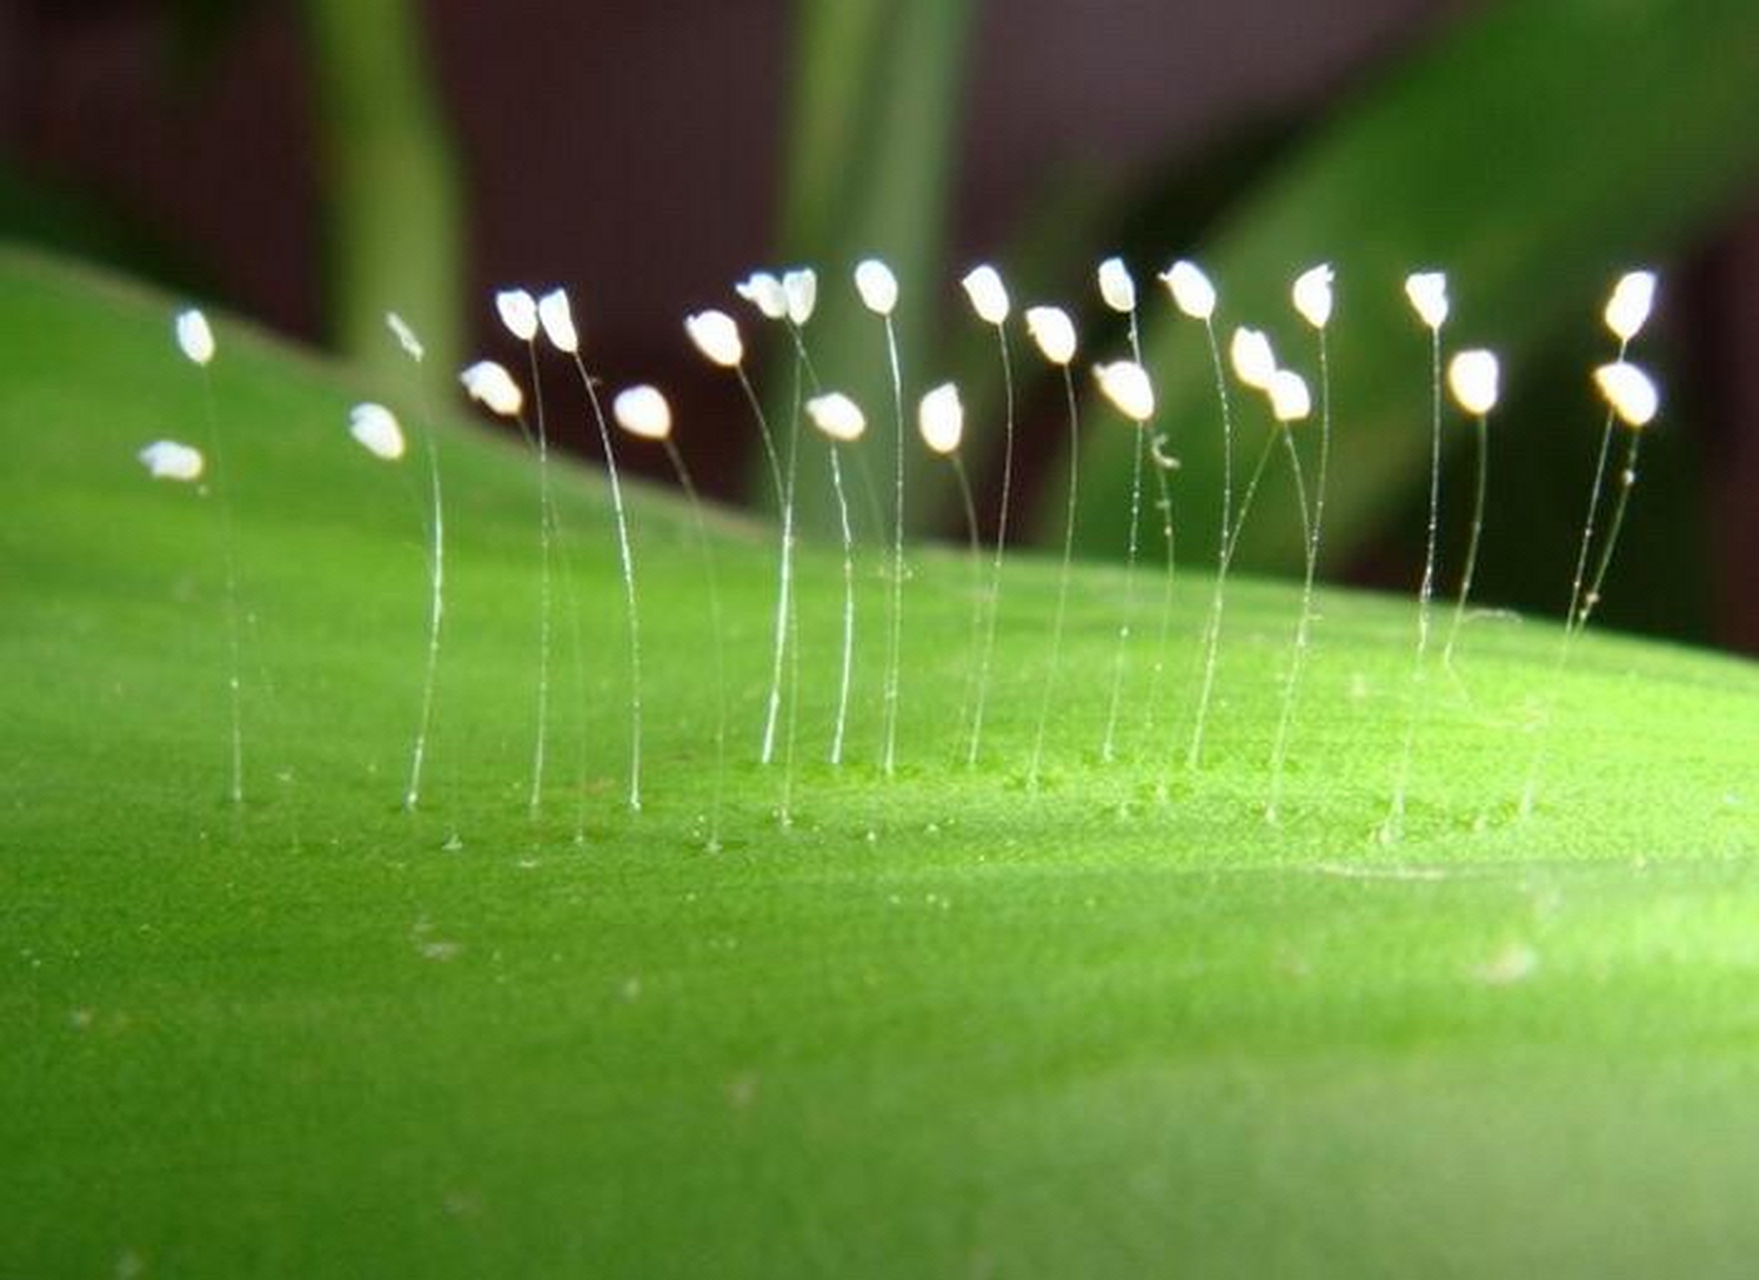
<point x="314" y="162"/>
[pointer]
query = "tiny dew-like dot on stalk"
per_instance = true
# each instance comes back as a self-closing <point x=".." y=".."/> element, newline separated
<point x="841" y="422"/>
<point x="988" y="297"/>
<point x="1054" y="333"/>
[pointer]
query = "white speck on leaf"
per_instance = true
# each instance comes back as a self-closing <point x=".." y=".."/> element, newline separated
<point x="1516" y="962"/>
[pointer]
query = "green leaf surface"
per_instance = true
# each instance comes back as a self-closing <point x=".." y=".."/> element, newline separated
<point x="944" y="1024"/>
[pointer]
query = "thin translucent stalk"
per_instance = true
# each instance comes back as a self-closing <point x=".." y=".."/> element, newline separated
<point x="1050" y="683"/>
<point x="785" y="580"/>
<point x="218" y="486"/>
<point x="1588" y="525"/>
<point x="763" y="431"/>
<point x="1160" y="465"/>
<point x="895" y="627"/>
<point x="716" y="636"/>
<point x="987" y="651"/>
<point x="1230" y="542"/>
<point x="436" y="611"/>
<point x="1393" y="827"/>
<point x="1573" y="620"/>
<point x="1298" y="656"/>
<point x="778" y="664"/>
<point x="546" y="535"/>
<point x="1108" y="746"/>
<point x="1482" y="434"/>
<point x="975" y="538"/>
<point x="626" y="556"/>
<point x="1627" y="480"/>
<point x="1303" y="629"/>
<point x="1217" y="604"/>
<point x="846" y="677"/>
<point x="788" y="617"/>
<point x="860" y="478"/>
<point x="577" y="654"/>
<point x="780" y="490"/>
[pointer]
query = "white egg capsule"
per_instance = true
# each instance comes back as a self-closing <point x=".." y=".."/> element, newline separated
<point x="1427" y="292"/>
<point x="643" y="412"/>
<point x="764" y="291"/>
<point x="490" y="385"/>
<point x="518" y="312"/>
<point x="556" y="316"/>
<point x="988" y="295"/>
<point x="1253" y="360"/>
<point x="1054" y="333"/>
<point x="375" y="429"/>
<point x="1474" y="381"/>
<point x="716" y="335"/>
<point x="172" y="460"/>
<point x="800" y="294"/>
<point x="1290" y="400"/>
<point x="1126" y="384"/>
<point x="1192" y="291"/>
<point x="877" y="286"/>
<point x="837" y="416"/>
<point x="1117" y="288"/>
<point x="1311" y="295"/>
<point x="1629" y="392"/>
<point x="194" y="336"/>
<point x="1627" y="310"/>
<point x="940" y="418"/>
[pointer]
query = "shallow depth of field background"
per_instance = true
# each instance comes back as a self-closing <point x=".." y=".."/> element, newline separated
<point x="311" y="163"/>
